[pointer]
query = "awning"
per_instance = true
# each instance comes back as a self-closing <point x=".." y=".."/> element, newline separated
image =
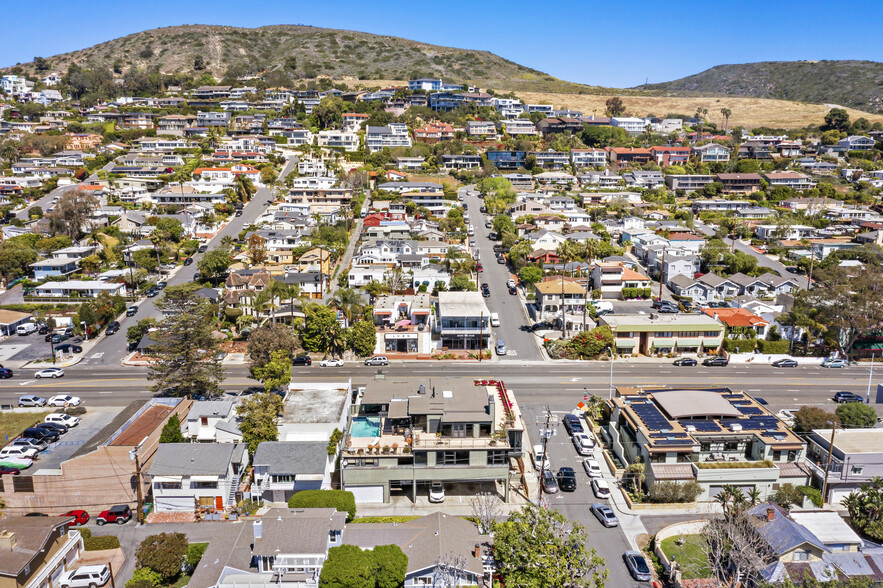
<point x="689" y="342"/>
<point x="663" y="342"/>
<point x="711" y="342"/>
<point x="625" y="343"/>
<point x="166" y="478"/>
<point x="203" y="478"/>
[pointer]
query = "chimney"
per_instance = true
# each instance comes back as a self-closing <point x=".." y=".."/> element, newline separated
<point x="770" y="513"/>
<point x="477" y="551"/>
<point x="258" y="528"/>
<point x="7" y="540"/>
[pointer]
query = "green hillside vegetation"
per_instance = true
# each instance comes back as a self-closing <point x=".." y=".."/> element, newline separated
<point x="857" y="84"/>
<point x="286" y="53"/>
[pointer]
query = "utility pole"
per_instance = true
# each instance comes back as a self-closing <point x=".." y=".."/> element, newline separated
<point x="610" y="349"/>
<point x="546" y="431"/>
<point x="812" y="259"/>
<point x="480" y="336"/>
<point x="133" y="454"/>
<point x="661" y="273"/>
<point x="563" y="312"/>
<point x="870" y="377"/>
<point x="828" y="463"/>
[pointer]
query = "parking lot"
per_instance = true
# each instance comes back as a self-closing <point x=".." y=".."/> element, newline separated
<point x="25" y="348"/>
<point x="91" y="423"/>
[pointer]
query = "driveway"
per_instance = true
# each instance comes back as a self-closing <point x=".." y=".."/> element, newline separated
<point x="95" y="419"/>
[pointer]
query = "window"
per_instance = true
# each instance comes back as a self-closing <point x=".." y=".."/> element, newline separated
<point x="167" y="485"/>
<point x="453" y="458"/>
<point x="497" y="457"/>
<point x="203" y="485"/>
<point x="800" y="555"/>
<point x="858" y="469"/>
<point x="282" y="478"/>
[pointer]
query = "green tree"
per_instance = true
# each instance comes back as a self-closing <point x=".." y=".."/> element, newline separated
<point x="138" y="330"/>
<point x="540" y="547"/>
<point x="362" y="338"/>
<point x="243" y="188"/>
<point x="591" y="344"/>
<point x="185" y="352"/>
<point x="530" y="274"/>
<point x="462" y="282"/>
<point x="15" y="259"/>
<point x="72" y="213"/>
<point x="171" y="432"/>
<point x="503" y="224"/>
<point x="199" y="63"/>
<point x="214" y="262"/>
<point x="259" y="414"/>
<point x="145" y="259"/>
<point x="865" y="507"/>
<point x="276" y="373"/>
<point x="321" y="328"/>
<point x="855" y="415"/>
<point x="163" y="554"/>
<point x="348" y="566"/>
<point x="392" y="565"/>
<point x="144" y="578"/>
<point x="194" y="554"/>
<point x="837" y="119"/>
<point x="615" y="106"/>
<point x="812" y="417"/>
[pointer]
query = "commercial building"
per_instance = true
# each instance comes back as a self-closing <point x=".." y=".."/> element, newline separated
<point x="463" y="320"/>
<point x="647" y="334"/>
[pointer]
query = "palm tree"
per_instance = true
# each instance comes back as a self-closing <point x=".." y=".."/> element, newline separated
<point x="262" y="301"/>
<point x="726" y="112"/>
<point x="289" y="292"/>
<point x="348" y="302"/>
<point x="10" y="151"/>
<point x="243" y="188"/>
<point x="753" y="496"/>
<point x="157" y="238"/>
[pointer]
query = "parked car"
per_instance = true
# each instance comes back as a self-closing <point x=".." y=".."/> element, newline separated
<point x="847" y="397"/>
<point x="38" y="444"/>
<point x="81" y="517"/>
<point x="605" y="515"/>
<point x="63" y="400"/>
<point x="188" y="261"/>
<point x="332" y="362"/>
<point x="54" y="338"/>
<point x="9" y="471"/>
<point x="68" y="348"/>
<point x="25" y="329"/>
<point x="784" y="363"/>
<point x="5" y="373"/>
<point x="41" y="434"/>
<point x="572" y="424"/>
<point x="540" y="460"/>
<point x="302" y="360"/>
<point x="501" y="347"/>
<point x="85" y="577"/>
<point x="512" y="290"/>
<point x="202" y="249"/>
<point x="592" y="467"/>
<point x="584" y="443"/>
<point x="834" y="363"/>
<point x="377" y="360"/>
<point x="42" y="330"/>
<point x="152" y="292"/>
<point x="601" y="488"/>
<point x="637" y="566"/>
<point x="566" y="479"/>
<point x="62" y="418"/>
<point x="716" y="361"/>
<point x="119" y="514"/>
<point x="56" y="427"/>
<point x="685" y="361"/>
<point x="31" y="400"/>
<point x="18" y="451"/>
<point x="112" y="328"/>
<point x="667" y="309"/>
<point x="132" y="311"/>
<point x="436" y="492"/>
<point x="485" y="291"/>
<point x="550" y="484"/>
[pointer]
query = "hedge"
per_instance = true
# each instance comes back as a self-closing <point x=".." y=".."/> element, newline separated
<point x="342" y="500"/>
<point x="100" y="543"/>
<point x="773" y="347"/>
<point x="813" y="494"/>
<point x="744" y="345"/>
<point x="391" y="519"/>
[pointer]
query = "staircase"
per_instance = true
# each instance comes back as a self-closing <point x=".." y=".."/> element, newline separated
<point x="234" y="487"/>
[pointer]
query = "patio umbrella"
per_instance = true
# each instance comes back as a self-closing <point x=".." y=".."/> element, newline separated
<point x="403" y="323"/>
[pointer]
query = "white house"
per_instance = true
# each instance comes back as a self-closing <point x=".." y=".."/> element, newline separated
<point x="631" y="125"/>
<point x="185" y="476"/>
<point x="212" y="421"/>
<point x="346" y="140"/>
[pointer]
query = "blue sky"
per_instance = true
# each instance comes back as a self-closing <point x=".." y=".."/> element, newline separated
<point x="617" y="44"/>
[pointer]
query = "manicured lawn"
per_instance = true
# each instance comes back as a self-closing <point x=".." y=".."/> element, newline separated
<point x="689" y="555"/>
<point x="13" y="423"/>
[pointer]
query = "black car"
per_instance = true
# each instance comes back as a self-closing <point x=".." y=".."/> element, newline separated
<point x="793" y="269"/>
<point x="572" y="424"/>
<point x="57" y="428"/>
<point x="112" y="329"/>
<point x="161" y="285"/>
<point x="716" y="362"/>
<point x="465" y="206"/>
<point x="785" y="363"/>
<point x="512" y="290"/>
<point x="5" y="373"/>
<point x="43" y="330"/>
<point x="301" y="361"/>
<point x="483" y="208"/>
<point x="40" y="434"/>
<point x="238" y="213"/>
<point x="188" y="261"/>
<point x="151" y="293"/>
<point x="202" y="248"/>
<point x="69" y="348"/>
<point x="847" y="397"/>
<point x="685" y="361"/>
<point x="132" y="311"/>
<point x="485" y="291"/>
<point x="566" y="479"/>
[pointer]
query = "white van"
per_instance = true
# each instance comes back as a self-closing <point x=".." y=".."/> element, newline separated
<point x="602" y="305"/>
<point x="25" y="329"/>
<point x="495" y="319"/>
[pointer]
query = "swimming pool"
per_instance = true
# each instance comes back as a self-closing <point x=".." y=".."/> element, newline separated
<point x="365" y="427"/>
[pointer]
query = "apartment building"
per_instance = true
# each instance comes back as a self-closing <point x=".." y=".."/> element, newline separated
<point x="551" y="159"/>
<point x="629" y="155"/>
<point x="403" y="324"/>
<point x="346" y="140"/>
<point x="481" y="128"/>
<point x="321" y="200"/>
<point x="402" y="436"/>
<point x="519" y="126"/>
<point x="552" y="294"/>
<point x="663" y="333"/>
<point x="790" y="179"/>
<point x="712" y="436"/>
<point x="212" y="119"/>
<point x="612" y="276"/>
<point x="666" y="156"/>
<point x="507" y="159"/>
<point x="688" y="182"/>
<point x="587" y="158"/>
<point x="463" y="320"/>
<point x="392" y="135"/>
<point x="434" y="133"/>
<point x="712" y="153"/>
<point x="450" y="162"/>
<point x="739" y="183"/>
<point x="631" y="125"/>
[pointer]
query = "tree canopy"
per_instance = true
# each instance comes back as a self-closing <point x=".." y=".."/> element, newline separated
<point x="259" y="414"/>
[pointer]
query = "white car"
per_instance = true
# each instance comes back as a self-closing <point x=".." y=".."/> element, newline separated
<point x="49" y="373"/>
<point x="592" y="467"/>
<point x="601" y="488"/>
<point x="331" y="363"/>
<point x="62" y="419"/>
<point x="64" y="400"/>
<point x="37" y="445"/>
<point x="85" y="577"/>
<point x="584" y="443"/>
<point x="436" y="492"/>
<point x="541" y="461"/>
<point x="18" y="451"/>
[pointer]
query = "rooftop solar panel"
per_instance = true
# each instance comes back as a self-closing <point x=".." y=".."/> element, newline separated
<point x="673" y="442"/>
<point x="702" y="426"/>
<point x="751" y="410"/>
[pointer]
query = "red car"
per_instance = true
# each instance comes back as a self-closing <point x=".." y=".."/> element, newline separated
<point x="4" y="470"/>
<point x="480" y="268"/>
<point x="81" y="517"/>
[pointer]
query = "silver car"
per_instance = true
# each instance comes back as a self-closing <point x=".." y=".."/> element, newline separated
<point x="31" y="400"/>
<point x="501" y="347"/>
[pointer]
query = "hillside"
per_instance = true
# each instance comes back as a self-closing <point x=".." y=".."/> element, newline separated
<point x="273" y="50"/>
<point x="858" y="84"/>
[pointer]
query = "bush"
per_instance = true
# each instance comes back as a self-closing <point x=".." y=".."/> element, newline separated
<point x="85" y="533"/>
<point x="74" y="410"/>
<point x="744" y="345"/>
<point x="814" y="494"/>
<point x="341" y="500"/>
<point x="668" y="492"/>
<point x="144" y="577"/>
<point x="194" y="553"/>
<point x="855" y="415"/>
<point x="773" y="347"/>
<point x="250" y="506"/>
<point x="163" y="554"/>
<point x="101" y="543"/>
<point x="787" y="495"/>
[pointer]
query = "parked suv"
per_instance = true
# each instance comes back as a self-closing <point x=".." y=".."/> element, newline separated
<point x="302" y="360"/>
<point x="377" y="360"/>
<point x="31" y="400"/>
<point x="85" y="577"/>
<point x="119" y="514"/>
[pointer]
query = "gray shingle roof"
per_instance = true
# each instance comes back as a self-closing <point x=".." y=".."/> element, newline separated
<point x="782" y="534"/>
<point x="292" y="457"/>
<point x="208" y="408"/>
<point x="195" y="459"/>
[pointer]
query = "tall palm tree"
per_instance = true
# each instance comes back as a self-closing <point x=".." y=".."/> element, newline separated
<point x="289" y="293"/>
<point x="262" y="301"/>
<point x="157" y="238"/>
<point x="348" y="302"/>
<point x="10" y="151"/>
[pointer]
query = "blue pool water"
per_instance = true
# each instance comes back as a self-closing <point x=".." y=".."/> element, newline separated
<point x="365" y="427"/>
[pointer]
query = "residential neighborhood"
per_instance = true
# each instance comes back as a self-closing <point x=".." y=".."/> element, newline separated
<point x="431" y="332"/>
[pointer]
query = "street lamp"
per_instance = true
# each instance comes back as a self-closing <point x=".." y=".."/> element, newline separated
<point x="85" y="331"/>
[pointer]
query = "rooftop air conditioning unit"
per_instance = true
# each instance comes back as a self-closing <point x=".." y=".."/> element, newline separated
<point x="735" y="427"/>
<point x="691" y="428"/>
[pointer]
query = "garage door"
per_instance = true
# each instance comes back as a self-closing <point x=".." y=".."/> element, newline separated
<point x="173" y="503"/>
<point x="367" y="494"/>
<point x="713" y="491"/>
<point x="839" y="494"/>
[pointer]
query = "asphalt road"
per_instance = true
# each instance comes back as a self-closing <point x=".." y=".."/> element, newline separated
<point x="762" y="260"/>
<point x="521" y="345"/>
<point x="46" y="201"/>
